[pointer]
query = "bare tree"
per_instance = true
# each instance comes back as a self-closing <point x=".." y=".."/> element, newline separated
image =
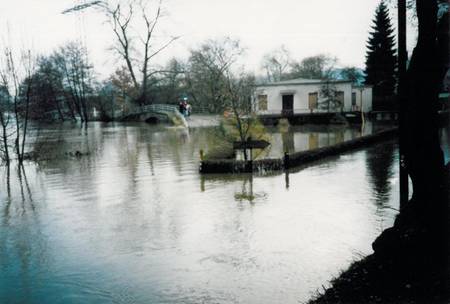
<point x="276" y="64"/>
<point x="206" y="72"/>
<point x="5" y="119"/>
<point x="16" y="75"/>
<point x="72" y="61"/>
<point x="239" y="100"/>
<point x="135" y="47"/>
<point x="314" y="67"/>
<point x="329" y="96"/>
<point x="171" y="84"/>
<point x="242" y="121"/>
<point x="29" y="65"/>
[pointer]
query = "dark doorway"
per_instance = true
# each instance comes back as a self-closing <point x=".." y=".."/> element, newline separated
<point x="152" y="120"/>
<point x="288" y="105"/>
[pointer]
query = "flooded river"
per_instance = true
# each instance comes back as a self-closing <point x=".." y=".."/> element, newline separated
<point x="132" y="221"/>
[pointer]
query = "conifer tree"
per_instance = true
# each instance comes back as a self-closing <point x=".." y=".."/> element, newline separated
<point x="381" y="60"/>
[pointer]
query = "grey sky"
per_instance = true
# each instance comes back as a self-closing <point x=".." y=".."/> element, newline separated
<point x="305" y="27"/>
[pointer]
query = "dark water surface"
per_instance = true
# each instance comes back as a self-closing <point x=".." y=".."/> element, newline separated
<point x="134" y="222"/>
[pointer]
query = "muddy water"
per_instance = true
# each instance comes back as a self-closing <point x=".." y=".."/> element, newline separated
<point x="132" y="221"/>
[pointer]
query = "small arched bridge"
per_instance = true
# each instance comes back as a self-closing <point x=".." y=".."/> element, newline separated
<point x="155" y="113"/>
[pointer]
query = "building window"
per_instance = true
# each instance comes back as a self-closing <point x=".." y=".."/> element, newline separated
<point x="313" y="100"/>
<point x="262" y="102"/>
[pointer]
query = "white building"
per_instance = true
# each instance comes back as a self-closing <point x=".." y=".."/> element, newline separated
<point x="299" y="96"/>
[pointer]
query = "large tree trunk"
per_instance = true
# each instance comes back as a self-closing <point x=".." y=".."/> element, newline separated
<point x="424" y="157"/>
<point x="418" y="241"/>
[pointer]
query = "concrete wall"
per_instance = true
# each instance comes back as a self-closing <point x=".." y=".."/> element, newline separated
<point x="301" y="97"/>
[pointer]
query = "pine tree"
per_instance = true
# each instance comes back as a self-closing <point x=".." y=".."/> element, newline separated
<point x="381" y="60"/>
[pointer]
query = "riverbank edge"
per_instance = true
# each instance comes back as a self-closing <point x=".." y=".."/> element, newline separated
<point x="410" y="263"/>
<point x="292" y="160"/>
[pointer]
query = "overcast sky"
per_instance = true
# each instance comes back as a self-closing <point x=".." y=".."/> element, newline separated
<point x="306" y="27"/>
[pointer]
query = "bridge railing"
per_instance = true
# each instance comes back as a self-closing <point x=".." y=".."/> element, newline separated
<point x="160" y="108"/>
<point x="157" y="108"/>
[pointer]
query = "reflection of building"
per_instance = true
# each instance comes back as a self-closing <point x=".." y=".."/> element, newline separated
<point x="288" y="142"/>
<point x="299" y="96"/>
<point x="311" y="137"/>
<point x="362" y="98"/>
<point x="313" y="141"/>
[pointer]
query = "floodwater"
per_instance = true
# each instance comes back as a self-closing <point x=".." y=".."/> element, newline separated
<point x="309" y="137"/>
<point x="132" y="221"/>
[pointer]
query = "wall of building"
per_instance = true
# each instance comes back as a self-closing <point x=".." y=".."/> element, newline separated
<point x="301" y="97"/>
<point x="364" y="95"/>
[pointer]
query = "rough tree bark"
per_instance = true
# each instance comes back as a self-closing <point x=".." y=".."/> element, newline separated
<point x="424" y="157"/>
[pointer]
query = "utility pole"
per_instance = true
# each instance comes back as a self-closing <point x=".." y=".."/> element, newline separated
<point x="363" y="120"/>
<point x="402" y="101"/>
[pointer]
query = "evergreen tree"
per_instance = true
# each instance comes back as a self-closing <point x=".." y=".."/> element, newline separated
<point x="381" y="60"/>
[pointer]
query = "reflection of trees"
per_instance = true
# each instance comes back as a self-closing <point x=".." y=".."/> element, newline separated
<point x="246" y="192"/>
<point x="177" y="141"/>
<point x="379" y="164"/>
<point x="8" y="193"/>
<point x="24" y="187"/>
<point x="129" y="154"/>
<point x="25" y="193"/>
<point x="20" y="235"/>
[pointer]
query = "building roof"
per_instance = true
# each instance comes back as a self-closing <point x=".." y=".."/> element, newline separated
<point x="298" y="81"/>
<point x="362" y="86"/>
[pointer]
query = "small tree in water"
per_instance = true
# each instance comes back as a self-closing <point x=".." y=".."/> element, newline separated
<point x="242" y="123"/>
<point x="16" y="70"/>
<point x="5" y="119"/>
<point x="330" y="97"/>
<point x="230" y="89"/>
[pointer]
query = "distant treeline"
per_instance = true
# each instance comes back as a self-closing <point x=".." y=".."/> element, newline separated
<point x="63" y="85"/>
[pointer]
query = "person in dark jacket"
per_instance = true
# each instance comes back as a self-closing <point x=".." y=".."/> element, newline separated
<point x="182" y="108"/>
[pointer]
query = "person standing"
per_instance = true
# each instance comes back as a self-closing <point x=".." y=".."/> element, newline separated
<point x="188" y="109"/>
<point x="181" y="108"/>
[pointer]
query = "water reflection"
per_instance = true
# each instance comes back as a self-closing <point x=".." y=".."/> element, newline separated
<point x="313" y="141"/>
<point x="288" y="142"/>
<point x="308" y="137"/>
<point x="286" y="179"/>
<point x="132" y="220"/>
<point x="22" y="246"/>
<point x="25" y="203"/>
<point x="380" y="159"/>
<point x="8" y="193"/>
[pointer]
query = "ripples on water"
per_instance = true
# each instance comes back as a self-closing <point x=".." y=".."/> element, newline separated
<point x="133" y="222"/>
